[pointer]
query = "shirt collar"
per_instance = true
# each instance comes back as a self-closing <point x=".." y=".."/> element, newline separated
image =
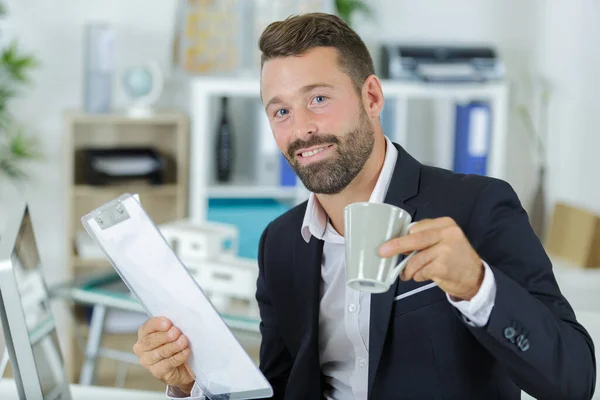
<point x="316" y="220"/>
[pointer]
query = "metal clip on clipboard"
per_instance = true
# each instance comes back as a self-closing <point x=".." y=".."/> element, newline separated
<point x="163" y="285"/>
<point x="111" y="214"/>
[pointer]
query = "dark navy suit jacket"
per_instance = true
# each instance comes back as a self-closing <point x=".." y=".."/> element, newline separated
<point x="420" y="346"/>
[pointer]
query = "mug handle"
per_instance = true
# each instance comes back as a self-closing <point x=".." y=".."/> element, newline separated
<point x="397" y="270"/>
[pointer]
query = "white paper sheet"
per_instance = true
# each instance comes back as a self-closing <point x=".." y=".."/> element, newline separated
<point x="152" y="271"/>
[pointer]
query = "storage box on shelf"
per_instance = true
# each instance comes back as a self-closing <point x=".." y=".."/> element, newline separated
<point x="228" y="281"/>
<point x="167" y="135"/>
<point x="210" y="251"/>
<point x="200" y="241"/>
<point x="574" y="235"/>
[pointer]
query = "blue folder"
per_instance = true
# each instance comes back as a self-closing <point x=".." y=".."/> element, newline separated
<point x="472" y="138"/>
<point x="287" y="176"/>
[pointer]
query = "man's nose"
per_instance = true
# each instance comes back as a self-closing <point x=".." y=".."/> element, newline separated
<point x="304" y="124"/>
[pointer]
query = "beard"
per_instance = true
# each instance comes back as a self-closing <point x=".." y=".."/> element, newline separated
<point x="332" y="175"/>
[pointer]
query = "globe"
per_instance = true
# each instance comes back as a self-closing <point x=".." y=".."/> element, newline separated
<point x="143" y="85"/>
<point x="138" y="82"/>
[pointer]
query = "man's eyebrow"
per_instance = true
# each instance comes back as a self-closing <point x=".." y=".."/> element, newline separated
<point x="308" y="88"/>
<point x="274" y="100"/>
<point x="304" y="89"/>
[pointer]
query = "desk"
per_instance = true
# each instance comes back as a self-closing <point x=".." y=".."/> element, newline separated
<point x="108" y="291"/>
<point x="8" y="391"/>
<point x="581" y="289"/>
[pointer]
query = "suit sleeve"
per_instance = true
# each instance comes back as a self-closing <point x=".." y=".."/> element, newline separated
<point x="532" y="329"/>
<point x="275" y="360"/>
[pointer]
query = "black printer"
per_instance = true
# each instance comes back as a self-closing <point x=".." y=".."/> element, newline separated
<point x="105" y="166"/>
<point x="431" y="63"/>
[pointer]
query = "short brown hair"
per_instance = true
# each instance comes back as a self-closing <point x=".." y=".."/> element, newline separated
<point x="300" y="33"/>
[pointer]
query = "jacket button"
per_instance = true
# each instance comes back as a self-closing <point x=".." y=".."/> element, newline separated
<point x="524" y="344"/>
<point x="509" y="333"/>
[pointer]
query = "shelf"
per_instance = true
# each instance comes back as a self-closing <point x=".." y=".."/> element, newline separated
<point x="163" y="190"/>
<point x="236" y="191"/>
<point x="445" y="90"/>
<point x="90" y="263"/>
<point x="160" y="118"/>
<point x="224" y="86"/>
<point x="249" y="87"/>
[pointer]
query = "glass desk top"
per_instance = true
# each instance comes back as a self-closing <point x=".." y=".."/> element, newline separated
<point x="109" y="290"/>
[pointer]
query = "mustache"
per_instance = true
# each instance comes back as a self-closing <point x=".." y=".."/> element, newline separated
<point x="313" y="141"/>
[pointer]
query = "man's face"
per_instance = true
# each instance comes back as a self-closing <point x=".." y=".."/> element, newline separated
<point x="318" y="120"/>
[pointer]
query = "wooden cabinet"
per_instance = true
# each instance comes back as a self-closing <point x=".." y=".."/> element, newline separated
<point x="167" y="133"/>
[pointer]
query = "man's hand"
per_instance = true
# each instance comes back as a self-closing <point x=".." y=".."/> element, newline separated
<point x="445" y="256"/>
<point x="163" y="351"/>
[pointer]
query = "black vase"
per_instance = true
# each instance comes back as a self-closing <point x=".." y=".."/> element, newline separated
<point x="224" y="142"/>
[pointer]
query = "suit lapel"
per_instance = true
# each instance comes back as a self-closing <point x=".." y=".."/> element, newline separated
<point x="403" y="186"/>
<point x="307" y="278"/>
<point x="307" y="283"/>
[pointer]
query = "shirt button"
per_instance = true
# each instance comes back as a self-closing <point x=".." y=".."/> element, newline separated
<point x="362" y="362"/>
<point x="352" y="308"/>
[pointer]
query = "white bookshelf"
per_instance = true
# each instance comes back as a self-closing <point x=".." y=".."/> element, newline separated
<point x="249" y="191"/>
<point x="205" y="89"/>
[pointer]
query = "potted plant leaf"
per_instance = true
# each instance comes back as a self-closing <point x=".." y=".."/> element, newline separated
<point x="347" y="8"/>
<point x="15" y="146"/>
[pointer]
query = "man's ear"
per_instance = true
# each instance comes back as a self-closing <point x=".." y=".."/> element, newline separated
<point x="372" y="96"/>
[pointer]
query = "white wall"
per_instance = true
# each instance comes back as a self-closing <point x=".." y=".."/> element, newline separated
<point x="569" y="56"/>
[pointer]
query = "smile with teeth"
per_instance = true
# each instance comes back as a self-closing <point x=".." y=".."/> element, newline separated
<point x="313" y="152"/>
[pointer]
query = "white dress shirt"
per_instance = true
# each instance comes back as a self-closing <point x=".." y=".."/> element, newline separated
<point x="344" y="348"/>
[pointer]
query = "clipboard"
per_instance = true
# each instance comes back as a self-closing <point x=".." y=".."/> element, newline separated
<point x="164" y="286"/>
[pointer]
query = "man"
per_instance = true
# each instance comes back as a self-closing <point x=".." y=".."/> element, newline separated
<point x="495" y="321"/>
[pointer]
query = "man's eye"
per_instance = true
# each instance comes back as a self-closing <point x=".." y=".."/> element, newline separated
<point x="281" y="112"/>
<point x="319" y="99"/>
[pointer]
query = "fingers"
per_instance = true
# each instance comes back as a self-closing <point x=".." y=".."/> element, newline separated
<point x="406" y="244"/>
<point x="167" y="370"/>
<point x="156" y="340"/>
<point x="153" y="334"/>
<point x="423" y="234"/>
<point x="435" y="223"/>
<point x="164" y="352"/>
<point x="156" y="324"/>
<point x="418" y="262"/>
<point x="427" y="273"/>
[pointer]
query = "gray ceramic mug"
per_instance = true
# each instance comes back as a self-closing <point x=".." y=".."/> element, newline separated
<point x="366" y="227"/>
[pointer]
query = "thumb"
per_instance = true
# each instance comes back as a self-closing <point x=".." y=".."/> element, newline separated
<point x="189" y="371"/>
